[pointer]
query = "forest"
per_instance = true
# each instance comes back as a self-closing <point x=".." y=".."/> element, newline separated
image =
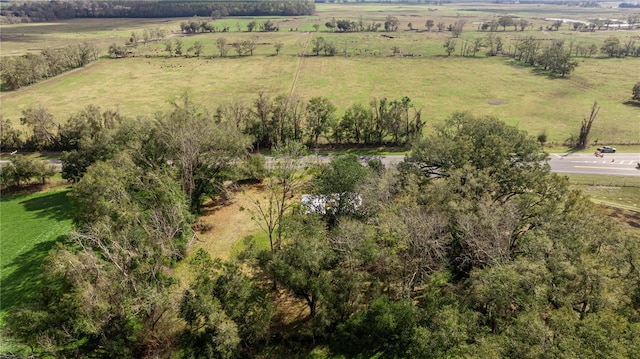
<point x="29" y="11"/>
<point x="470" y="247"/>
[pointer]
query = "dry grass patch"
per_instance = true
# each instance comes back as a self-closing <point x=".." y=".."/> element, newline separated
<point x="228" y="222"/>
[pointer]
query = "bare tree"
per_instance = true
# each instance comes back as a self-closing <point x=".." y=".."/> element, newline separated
<point x="586" y="127"/>
<point x="423" y="238"/>
<point x="490" y="234"/>
<point x="285" y="180"/>
<point x="237" y="113"/>
<point x="457" y="27"/>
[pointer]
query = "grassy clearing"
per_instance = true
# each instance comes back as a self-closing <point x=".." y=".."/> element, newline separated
<point x="228" y="223"/>
<point x="613" y="191"/>
<point x="440" y="86"/>
<point x="31" y="225"/>
<point x="437" y="84"/>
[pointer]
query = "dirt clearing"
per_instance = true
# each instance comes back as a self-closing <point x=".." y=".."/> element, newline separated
<point x="227" y="222"/>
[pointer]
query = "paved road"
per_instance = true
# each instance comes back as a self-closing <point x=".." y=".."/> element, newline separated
<point x="612" y="164"/>
<point x="56" y="163"/>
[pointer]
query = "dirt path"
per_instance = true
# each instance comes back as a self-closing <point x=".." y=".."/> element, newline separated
<point x="302" y="55"/>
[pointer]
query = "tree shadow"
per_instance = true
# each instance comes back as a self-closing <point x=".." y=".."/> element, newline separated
<point x="4" y="87"/>
<point x="546" y="73"/>
<point x="24" y="280"/>
<point x="56" y="206"/>
<point x="632" y="103"/>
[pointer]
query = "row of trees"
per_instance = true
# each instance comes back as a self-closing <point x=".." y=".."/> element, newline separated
<point x="18" y="71"/>
<point x="195" y="26"/>
<point x="470" y="248"/>
<point x="531" y="48"/>
<point x="54" y="10"/>
<point x="279" y="120"/>
<point x="519" y="24"/>
<point x="613" y="47"/>
<point x="268" y="121"/>
<point x="555" y="56"/>
<point x="504" y="21"/>
<point x="176" y="47"/>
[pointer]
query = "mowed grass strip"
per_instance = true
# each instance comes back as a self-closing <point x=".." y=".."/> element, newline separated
<point x="614" y="191"/>
<point x="30" y="225"/>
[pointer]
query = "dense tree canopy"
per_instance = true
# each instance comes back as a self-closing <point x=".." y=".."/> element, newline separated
<point x="56" y="10"/>
<point x="107" y="289"/>
<point x="470" y="248"/>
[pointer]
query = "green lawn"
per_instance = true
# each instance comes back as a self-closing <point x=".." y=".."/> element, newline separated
<point x="30" y="226"/>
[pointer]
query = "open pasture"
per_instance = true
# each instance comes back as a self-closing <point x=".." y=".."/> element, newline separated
<point x="32" y="37"/>
<point x="437" y="84"/>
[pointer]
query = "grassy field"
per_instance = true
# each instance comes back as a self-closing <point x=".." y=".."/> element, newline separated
<point x="30" y="227"/>
<point x="614" y="191"/>
<point x="437" y="84"/>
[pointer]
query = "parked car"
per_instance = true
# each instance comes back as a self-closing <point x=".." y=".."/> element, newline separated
<point x="606" y="149"/>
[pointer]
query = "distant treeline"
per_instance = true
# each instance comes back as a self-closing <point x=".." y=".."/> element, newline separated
<point x="586" y="3"/>
<point x="29" y="11"/>
<point x="18" y="71"/>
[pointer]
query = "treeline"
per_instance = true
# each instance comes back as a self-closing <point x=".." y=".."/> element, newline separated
<point x="18" y="71"/>
<point x="267" y="121"/>
<point x="57" y="10"/>
<point x="471" y="247"/>
<point x="556" y="56"/>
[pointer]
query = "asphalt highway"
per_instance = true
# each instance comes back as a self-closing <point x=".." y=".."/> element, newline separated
<point x="612" y="164"/>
